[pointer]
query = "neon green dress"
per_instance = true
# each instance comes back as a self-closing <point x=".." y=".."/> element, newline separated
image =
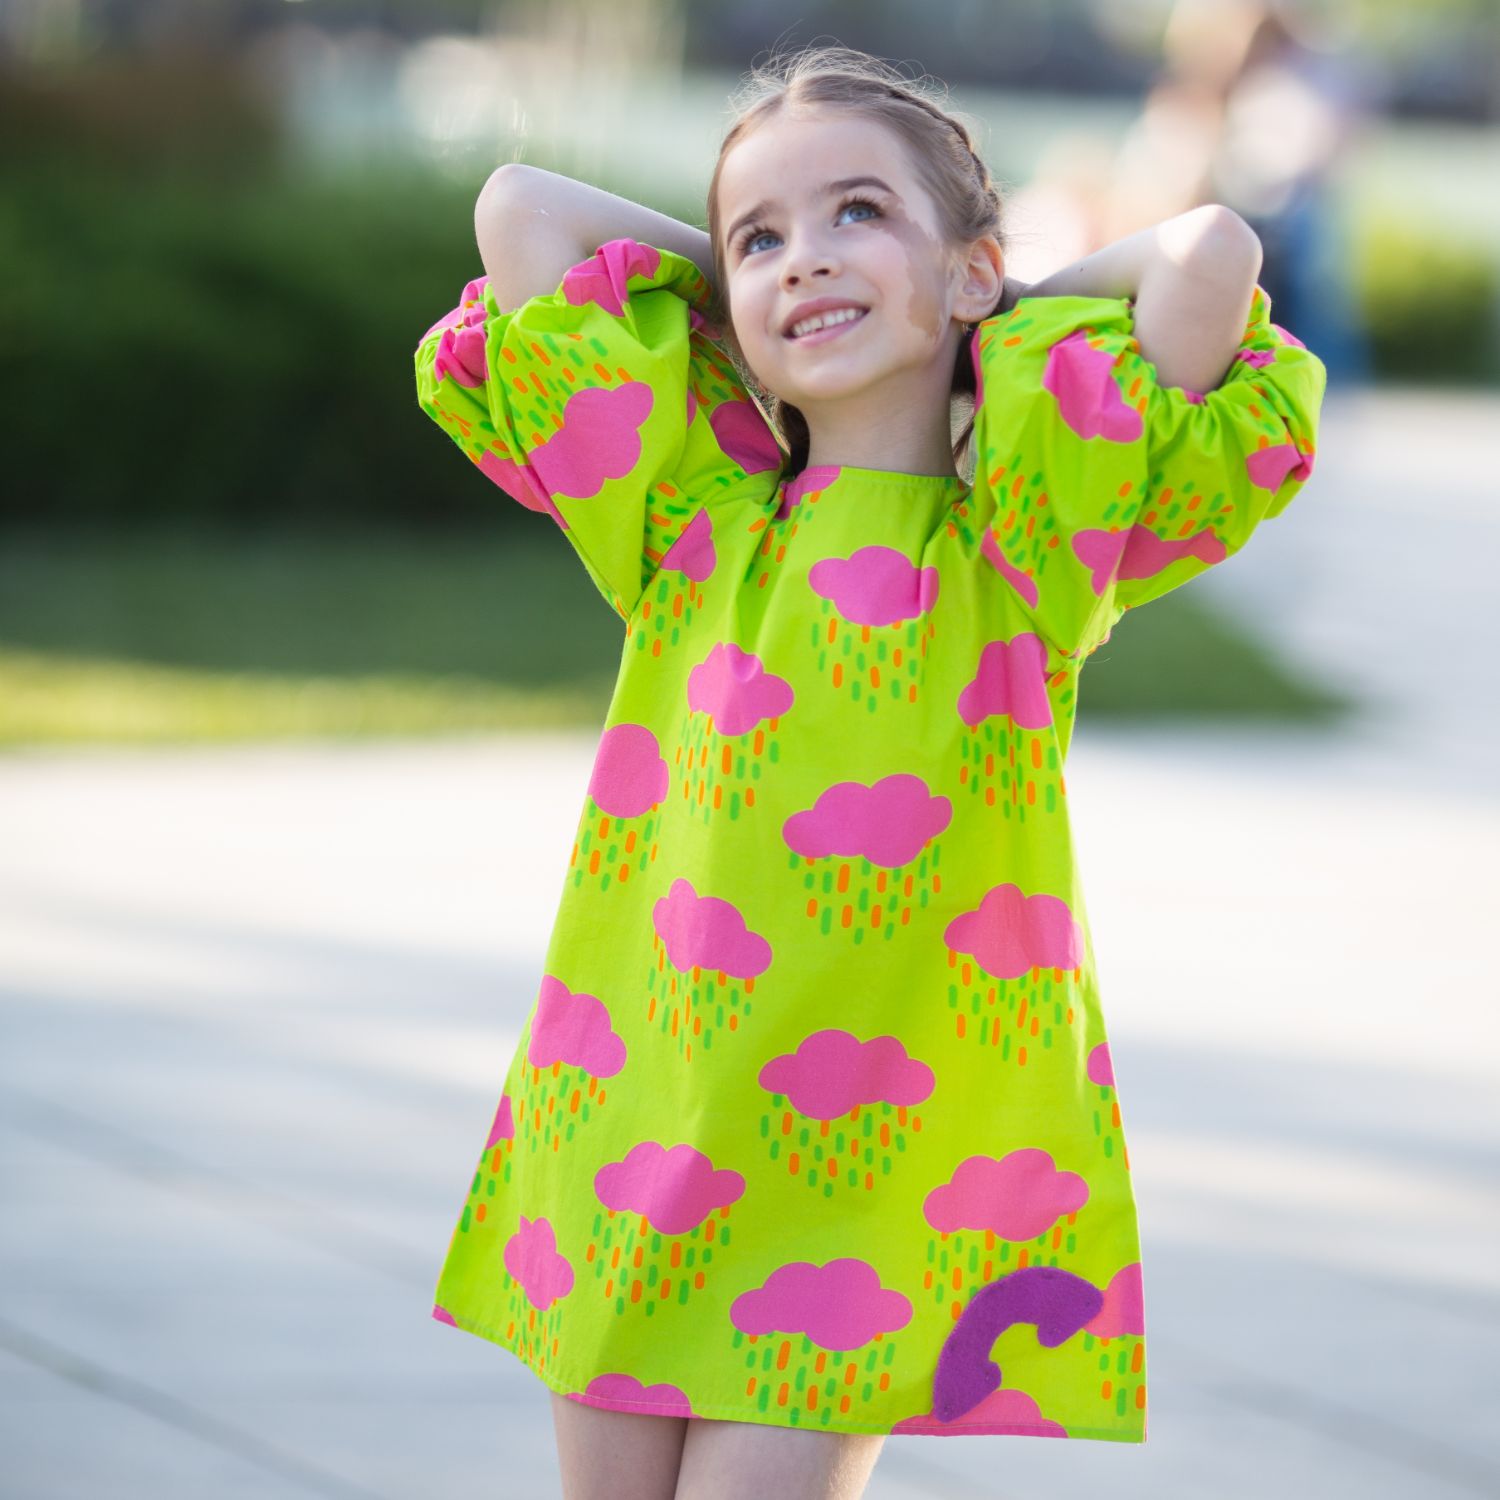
<point x="813" y="1120"/>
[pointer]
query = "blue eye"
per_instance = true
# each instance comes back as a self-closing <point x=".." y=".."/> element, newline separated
<point x="755" y="231"/>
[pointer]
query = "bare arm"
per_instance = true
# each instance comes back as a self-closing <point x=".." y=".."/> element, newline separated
<point x="532" y="224"/>
<point x="1192" y="277"/>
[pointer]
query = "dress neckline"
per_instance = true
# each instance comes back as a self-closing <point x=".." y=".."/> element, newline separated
<point x="936" y="491"/>
<point x="819" y="476"/>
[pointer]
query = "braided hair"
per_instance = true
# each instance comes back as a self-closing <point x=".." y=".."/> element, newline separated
<point x="941" y="146"/>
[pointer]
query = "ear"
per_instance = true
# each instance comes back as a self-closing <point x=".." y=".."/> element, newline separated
<point x="981" y="280"/>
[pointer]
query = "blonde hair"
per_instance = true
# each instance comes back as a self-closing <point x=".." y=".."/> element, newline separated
<point x="941" y="149"/>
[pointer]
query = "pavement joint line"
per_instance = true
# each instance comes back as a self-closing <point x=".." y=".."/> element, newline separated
<point x="1240" y="1385"/>
<point x="126" y="1390"/>
<point x="296" y="1218"/>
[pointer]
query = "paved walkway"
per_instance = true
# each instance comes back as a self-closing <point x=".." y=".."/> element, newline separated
<point x="257" y="1005"/>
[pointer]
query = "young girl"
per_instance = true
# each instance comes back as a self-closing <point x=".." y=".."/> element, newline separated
<point x="812" y="1134"/>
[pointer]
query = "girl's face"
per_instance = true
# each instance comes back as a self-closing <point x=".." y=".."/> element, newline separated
<point x="796" y="228"/>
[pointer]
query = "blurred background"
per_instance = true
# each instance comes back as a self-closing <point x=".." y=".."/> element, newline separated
<point x="296" y="716"/>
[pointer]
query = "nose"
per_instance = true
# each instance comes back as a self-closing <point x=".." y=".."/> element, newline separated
<point x="807" y="256"/>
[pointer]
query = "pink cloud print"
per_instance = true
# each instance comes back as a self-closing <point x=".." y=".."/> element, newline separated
<point x="875" y="586"/>
<point x="832" y="1072"/>
<point x="734" y="688"/>
<point x="1011" y="678"/>
<point x="604" y="278"/>
<point x="504" y="1126"/>
<point x="743" y="435"/>
<point x="618" y="1391"/>
<point x="1018" y="1196"/>
<point x="814" y="477"/>
<point x="598" y="438"/>
<point x="888" y="822"/>
<point x="532" y="1261"/>
<point x="840" y="1305"/>
<point x="676" y="1188"/>
<point x="630" y="774"/>
<point x="693" y="553"/>
<point x="709" y="933"/>
<point x="1081" y="381"/>
<point x="573" y="1029"/>
<point x="1010" y="933"/>
<point x="1003" y="1411"/>
<point x="1090" y="402"/>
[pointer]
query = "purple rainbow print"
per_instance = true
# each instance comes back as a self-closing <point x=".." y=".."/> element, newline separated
<point x="876" y="585"/>
<point x="675" y="1188"/>
<point x="1056" y="1301"/>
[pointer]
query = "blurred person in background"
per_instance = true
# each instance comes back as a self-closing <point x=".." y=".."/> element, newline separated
<point x="1249" y="113"/>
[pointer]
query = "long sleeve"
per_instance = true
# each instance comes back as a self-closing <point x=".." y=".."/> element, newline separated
<point x="606" y="404"/>
<point x="1101" y="489"/>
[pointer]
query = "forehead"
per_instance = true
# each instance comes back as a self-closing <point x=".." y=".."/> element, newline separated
<point x="792" y="154"/>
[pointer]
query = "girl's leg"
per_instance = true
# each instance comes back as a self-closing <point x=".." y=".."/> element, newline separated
<point x="751" y="1460"/>
<point x="624" y="1455"/>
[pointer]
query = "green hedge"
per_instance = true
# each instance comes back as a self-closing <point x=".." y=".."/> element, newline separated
<point x="236" y="350"/>
<point x="189" y="332"/>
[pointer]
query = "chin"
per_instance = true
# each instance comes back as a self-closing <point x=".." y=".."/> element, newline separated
<point x="834" y="388"/>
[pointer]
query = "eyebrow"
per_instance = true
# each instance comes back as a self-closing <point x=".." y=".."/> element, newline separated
<point x="838" y="185"/>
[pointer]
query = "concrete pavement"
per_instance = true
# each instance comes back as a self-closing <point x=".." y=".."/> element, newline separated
<point x="257" y="1004"/>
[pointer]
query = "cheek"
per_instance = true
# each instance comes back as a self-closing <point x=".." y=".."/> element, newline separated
<point x="920" y="258"/>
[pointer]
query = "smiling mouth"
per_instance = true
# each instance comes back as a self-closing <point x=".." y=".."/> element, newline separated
<point x="828" y="328"/>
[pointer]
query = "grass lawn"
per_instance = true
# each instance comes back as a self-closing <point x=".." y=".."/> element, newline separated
<point x="175" y="637"/>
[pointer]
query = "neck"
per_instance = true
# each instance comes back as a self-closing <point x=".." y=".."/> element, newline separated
<point x="901" y="425"/>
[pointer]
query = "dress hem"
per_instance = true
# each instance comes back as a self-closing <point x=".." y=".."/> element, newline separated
<point x="657" y="1408"/>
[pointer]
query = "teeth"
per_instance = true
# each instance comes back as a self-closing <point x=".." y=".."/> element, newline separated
<point x="825" y="320"/>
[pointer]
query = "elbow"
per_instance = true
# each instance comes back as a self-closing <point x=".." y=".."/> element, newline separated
<point x="1217" y="242"/>
<point x="508" y="178"/>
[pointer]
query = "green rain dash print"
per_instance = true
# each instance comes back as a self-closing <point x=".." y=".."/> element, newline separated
<point x="813" y="1119"/>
